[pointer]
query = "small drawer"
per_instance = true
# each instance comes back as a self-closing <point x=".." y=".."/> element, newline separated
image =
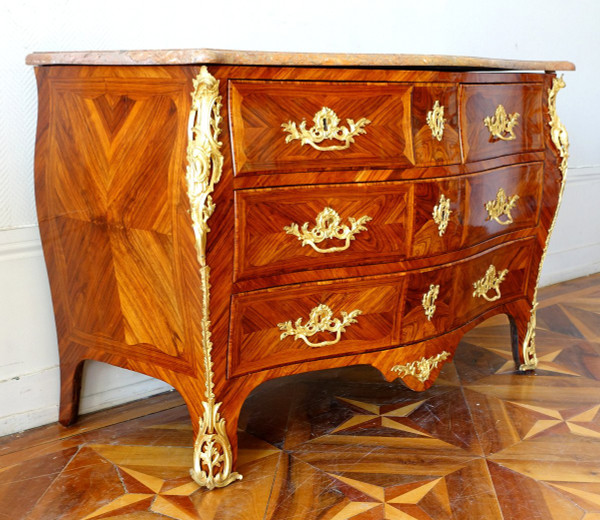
<point x="490" y="279"/>
<point x="442" y="299"/>
<point x="287" y="325"/>
<point x="501" y="120"/>
<point x="284" y="230"/>
<point x="461" y="212"/>
<point x="439" y="214"/>
<point x="434" y="118"/>
<point x="502" y="201"/>
<point x="428" y="304"/>
<point x="291" y="126"/>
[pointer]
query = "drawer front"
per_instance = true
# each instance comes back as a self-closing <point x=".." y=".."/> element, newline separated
<point x="500" y="120"/>
<point x="442" y="299"/>
<point x="285" y="230"/>
<point x="293" y="229"/>
<point x="503" y="200"/>
<point x="289" y="126"/>
<point x="428" y="304"/>
<point x="487" y="280"/>
<point x="439" y="215"/>
<point x="434" y="117"/>
<point x="465" y="211"/>
<point x="290" y="325"/>
<point x="287" y="325"/>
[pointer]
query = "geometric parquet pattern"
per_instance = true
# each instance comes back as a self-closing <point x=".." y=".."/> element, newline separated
<point x="483" y="443"/>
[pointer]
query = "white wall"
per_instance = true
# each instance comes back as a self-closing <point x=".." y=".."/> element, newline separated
<point x="538" y="29"/>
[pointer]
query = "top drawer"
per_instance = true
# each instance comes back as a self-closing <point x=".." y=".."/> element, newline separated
<point x="295" y="126"/>
<point x="288" y="125"/>
<point x="499" y="120"/>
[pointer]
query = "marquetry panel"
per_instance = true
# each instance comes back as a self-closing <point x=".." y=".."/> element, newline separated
<point x="255" y="341"/>
<point x="481" y="101"/>
<point x="145" y="273"/>
<point x="93" y="299"/>
<point x="428" y="149"/>
<point x="77" y="174"/>
<point x="112" y="173"/>
<point x="263" y="246"/>
<point x="105" y="162"/>
<point x="259" y="109"/>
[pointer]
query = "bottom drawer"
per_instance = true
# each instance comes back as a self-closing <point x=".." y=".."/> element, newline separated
<point x="495" y="277"/>
<point x="293" y="324"/>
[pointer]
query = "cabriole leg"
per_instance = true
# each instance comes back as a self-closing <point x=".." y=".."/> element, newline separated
<point x="523" y="339"/>
<point x="213" y="454"/>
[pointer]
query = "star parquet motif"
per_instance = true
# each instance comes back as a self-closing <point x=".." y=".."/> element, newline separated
<point x="484" y="442"/>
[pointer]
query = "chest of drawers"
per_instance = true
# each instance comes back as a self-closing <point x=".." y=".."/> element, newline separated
<point x="217" y="219"/>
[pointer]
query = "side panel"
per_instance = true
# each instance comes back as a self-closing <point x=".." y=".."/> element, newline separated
<point x="110" y="169"/>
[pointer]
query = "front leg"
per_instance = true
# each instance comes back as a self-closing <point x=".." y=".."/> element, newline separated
<point x="214" y="456"/>
<point x="522" y="325"/>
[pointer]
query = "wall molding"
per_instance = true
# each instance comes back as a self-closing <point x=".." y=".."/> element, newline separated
<point x="579" y="174"/>
<point x="23" y="242"/>
<point x="564" y="265"/>
<point x="31" y="400"/>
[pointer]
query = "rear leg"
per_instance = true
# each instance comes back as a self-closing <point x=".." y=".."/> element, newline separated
<point x="70" y="391"/>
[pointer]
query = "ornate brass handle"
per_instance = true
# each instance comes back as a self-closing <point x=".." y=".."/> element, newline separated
<point x="325" y="127"/>
<point x="328" y="226"/>
<point x="501" y="206"/>
<point x="320" y="320"/>
<point x="441" y="214"/>
<point x="428" y="301"/>
<point x="491" y="280"/>
<point x="435" y="120"/>
<point x="501" y="124"/>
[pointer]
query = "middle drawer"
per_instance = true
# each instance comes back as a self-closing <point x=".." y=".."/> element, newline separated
<point x="285" y="230"/>
<point x="315" y="227"/>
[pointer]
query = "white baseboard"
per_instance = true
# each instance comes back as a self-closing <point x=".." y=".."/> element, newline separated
<point x="17" y="423"/>
<point x="105" y="386"/>
<point x="31" y="400"/>
<point x="561" y="266"/>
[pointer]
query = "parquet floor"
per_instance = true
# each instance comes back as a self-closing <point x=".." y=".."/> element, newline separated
<point x="483" y="443"/>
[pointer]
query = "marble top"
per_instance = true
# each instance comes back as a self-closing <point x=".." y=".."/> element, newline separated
<point x="231" y="57"/>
